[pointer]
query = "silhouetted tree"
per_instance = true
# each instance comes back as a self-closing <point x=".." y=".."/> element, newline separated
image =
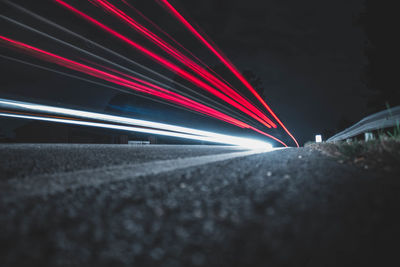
<point x="381" y="21"/>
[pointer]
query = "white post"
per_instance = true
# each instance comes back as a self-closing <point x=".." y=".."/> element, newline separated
<point x="369" y="136"/>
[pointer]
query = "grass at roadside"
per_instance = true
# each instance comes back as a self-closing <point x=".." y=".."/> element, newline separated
<point x="382" y="154"/>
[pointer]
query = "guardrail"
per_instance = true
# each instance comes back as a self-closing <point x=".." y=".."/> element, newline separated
<point x="381" y="120"/>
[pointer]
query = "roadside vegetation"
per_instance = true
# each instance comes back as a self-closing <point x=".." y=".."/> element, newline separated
<point x="380" y="154"/>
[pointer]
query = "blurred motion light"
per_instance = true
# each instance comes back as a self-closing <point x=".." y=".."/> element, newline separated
<point x="79" y="117"/>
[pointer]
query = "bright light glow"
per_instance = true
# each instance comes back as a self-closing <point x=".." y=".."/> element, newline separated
<point x="108" y="121"/>
<point x="318" y="138"/>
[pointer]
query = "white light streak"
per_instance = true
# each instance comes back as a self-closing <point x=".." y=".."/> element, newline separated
<point x="108" y="121"/>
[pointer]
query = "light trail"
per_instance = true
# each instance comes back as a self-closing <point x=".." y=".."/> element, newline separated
<point x="162" y="93"/>
<point x="220" y="107"/>
<point x="226" y="62"/>
<point x="153" y="24"/>
<point x="141" y="85"/>
<point x="182" y="58"/>
<point x="96" y="83"/>
<point x="159" y="59"/>
<point x="115" y="79"/>
<point x="111" y="52"/>
<point x="84" y="118"/>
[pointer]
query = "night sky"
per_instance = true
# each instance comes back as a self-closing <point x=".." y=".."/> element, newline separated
<point x="309" y="55"/>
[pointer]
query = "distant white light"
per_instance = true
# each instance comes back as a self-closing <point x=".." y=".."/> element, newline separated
<point x="318" y="138"/>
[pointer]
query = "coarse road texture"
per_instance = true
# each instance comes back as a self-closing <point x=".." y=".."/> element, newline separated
<point x="121" y="205"/>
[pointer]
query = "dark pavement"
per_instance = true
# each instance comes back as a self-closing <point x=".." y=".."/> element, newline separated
<point x="117" y="205"/>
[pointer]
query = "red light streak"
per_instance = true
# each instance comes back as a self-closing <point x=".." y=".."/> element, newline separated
<point x="143" y="86"/>
<point x="225" y="61"/>
<point x="175" y="41"/>
<point x="124" y="82"/>
<point x="183" y="59"/>
<point x="164" y="62"/>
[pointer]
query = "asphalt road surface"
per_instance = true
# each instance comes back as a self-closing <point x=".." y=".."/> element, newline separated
<point x="121" y="205"/>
